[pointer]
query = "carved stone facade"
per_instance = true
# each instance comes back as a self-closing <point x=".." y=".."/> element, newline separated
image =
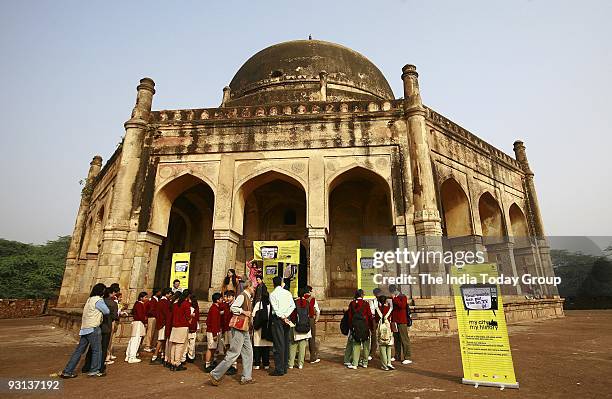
<point x="319" y="153"/>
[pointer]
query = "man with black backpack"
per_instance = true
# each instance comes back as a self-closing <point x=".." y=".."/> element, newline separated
<point x="301" y="333"/>
<point x="361" y="324"/>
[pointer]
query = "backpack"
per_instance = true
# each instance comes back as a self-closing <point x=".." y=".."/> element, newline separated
<point x="344" y="327"/>
<point x="261" y="317"/>
<point x="408" y="315"/>
<point x="384" y="334"/>
<point x="303" y="321"/>
<point x="360" y="329"/>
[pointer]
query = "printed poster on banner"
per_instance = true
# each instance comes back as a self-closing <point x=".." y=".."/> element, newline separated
<point x="366" y="271"/>
<point x="180" y="268"/>
<point x="483" y="336"/>
<point x="279" y="258"/>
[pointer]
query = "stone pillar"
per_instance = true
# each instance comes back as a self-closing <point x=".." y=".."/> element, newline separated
<point x="323" y="82"/>
<point x="226" y="96"/>
<point x="224" y="257"/>
<point x="317" y="274"/>
<point x="536" y="216"/>
<point x="69" y="281"/>
<point x="410" y="290"/>
<point x="427" y="222"/>
<point x="119" y="226"/>
<point x="502" y="253"/>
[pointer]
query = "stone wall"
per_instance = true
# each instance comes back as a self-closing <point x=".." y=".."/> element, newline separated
<point x="19" y="308"/>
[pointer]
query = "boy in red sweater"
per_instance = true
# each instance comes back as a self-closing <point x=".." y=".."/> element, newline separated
<point x="151" y="309"/>
<point x="228" y="298"/>
<point x="355" y="343"/>
<point x="181" y="318"/>
<point x="399" y="316"/>
<point x="161" y="315"/>
<point x="139" y="325"/>
<point x="214" y="329"/>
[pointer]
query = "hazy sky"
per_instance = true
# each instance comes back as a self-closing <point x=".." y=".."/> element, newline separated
<point x="540" y="71"/>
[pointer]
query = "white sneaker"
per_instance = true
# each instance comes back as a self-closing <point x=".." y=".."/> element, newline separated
<point x="390" y="367"/>
<point x="290" y="367"/>
<point x="315" y="361"/>
<point x="350" y="366"/>
<point x="266" y="367"/>
<point x="392" y="359"/>
<point x="109" y="362"/>
<point x="346" y="364"/>
<point x="363" y="365"/>
<point x="384" y="368"/>
<point x="369" y="357"/>
<point x="134" y="360"/>
<point x="112" y="357"/>
<point x="255" y="367"/>
<point x="300" y="367"/>
<point x="407" y="361"/>
<point x="126" y="359"/>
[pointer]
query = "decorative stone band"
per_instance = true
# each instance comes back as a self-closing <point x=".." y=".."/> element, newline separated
<point x="273" y="110"/>
<point x="427" y="215"/>
<point x="228" y="235"/>
<point x="317" y="232"/>
<point x="471" y="139"/>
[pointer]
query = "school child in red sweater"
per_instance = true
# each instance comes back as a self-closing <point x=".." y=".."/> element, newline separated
<point x="181" y="318"/>
<point x="384" y="334"/>
<point x="228" y="299"/>
<point x="190" y="347"/>
<point x="161" y="315"/>
<point x="400" y="318"/>
<point x="361" y="325"/>
<point x="214" y="330"/>
<point x="139" y="328"/>
<point x="167" y="354"/>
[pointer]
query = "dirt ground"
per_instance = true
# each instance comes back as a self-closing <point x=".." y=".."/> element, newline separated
<point x="569" y="357"/>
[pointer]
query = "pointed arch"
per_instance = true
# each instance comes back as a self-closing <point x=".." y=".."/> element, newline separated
<point x="518" y="221"/>
<point x="455" y="209"/>
<point x="246" y="186"/>
<point x="491" y="220"/>
<point x="165" y="196"/>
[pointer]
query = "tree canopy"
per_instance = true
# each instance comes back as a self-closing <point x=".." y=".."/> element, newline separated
<point x="32" y="271"/>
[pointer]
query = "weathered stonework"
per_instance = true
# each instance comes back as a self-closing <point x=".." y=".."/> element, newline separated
<point x="299" y="150"/>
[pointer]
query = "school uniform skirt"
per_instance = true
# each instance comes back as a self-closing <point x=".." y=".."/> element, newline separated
<point x="179" y="335"/>
<point x="161" y="334"/>
<point x="138" y="329"/>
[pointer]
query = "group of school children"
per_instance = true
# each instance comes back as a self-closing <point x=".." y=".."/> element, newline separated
<point x="380" y="322"/>
<point x="248" y="325"/>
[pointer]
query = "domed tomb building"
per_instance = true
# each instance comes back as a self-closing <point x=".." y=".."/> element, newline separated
<point x="309" y="143"/>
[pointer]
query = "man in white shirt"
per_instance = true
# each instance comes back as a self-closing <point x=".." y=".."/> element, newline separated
<point x="282" y="307"/>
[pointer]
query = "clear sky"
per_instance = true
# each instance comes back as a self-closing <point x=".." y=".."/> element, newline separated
<point x="540" y="71"/>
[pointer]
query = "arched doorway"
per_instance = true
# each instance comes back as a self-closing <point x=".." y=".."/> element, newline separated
<point x="274" y="210"/>
<point x="189" y="230"/>
<point x="359" y="217"/>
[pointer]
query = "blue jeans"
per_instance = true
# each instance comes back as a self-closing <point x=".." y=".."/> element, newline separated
<point x="94" y="340"/>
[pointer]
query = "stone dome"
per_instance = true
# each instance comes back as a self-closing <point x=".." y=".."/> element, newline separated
<point x="294" y="71"/>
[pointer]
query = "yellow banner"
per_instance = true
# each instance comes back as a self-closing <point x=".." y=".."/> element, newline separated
<point x="273" y="253"/>
<point x="366" y="272"/>
<point x="180" y="268"/>
<point x="483" y="336"/>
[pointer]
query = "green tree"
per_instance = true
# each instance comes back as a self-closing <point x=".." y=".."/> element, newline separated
<point x="32" y="271"/>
